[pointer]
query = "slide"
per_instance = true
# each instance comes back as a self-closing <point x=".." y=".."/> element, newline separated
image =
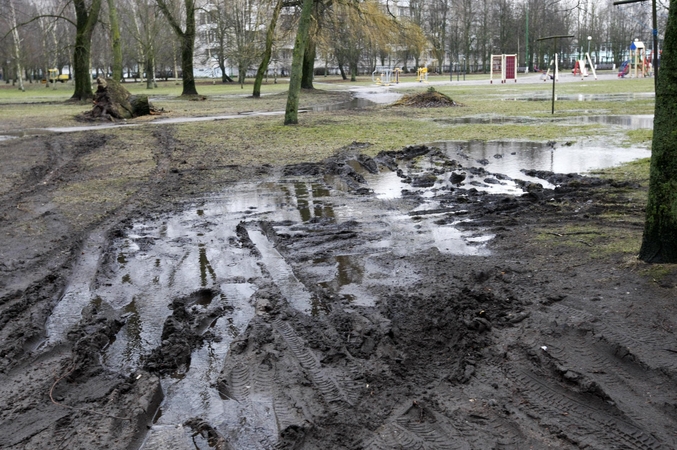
<point x="624" y="69"/>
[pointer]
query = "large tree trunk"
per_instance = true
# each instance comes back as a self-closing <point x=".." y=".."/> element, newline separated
<point x="187" y="48"/>
<point x="187" y="41"/>
<point x="308" y="65"/>
<point x="291" y="115"/>
<point x="270" y="35"/>
<point x="116" y="42"/>
<point x="85" y="21"/>
<point x="659" y="243"/>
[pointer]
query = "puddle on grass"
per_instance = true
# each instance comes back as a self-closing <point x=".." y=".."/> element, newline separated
<point x="624" y="97"/>
<point x="7" y="138"/>
<point x="494" y="166"/>
<point x="486" y="120"/>
<point x="511" y="158"/>
<point x="634" y="122"/>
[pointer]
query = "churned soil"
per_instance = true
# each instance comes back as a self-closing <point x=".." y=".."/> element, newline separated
<point x="555" y="338"/>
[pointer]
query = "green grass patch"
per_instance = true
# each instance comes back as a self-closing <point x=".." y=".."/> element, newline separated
<point x="634" y="171"/>
<point x="638" y="137"/>
<point x="596" y="241"/>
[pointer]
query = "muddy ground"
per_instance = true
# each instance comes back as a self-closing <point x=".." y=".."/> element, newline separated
<point x="536" y="340"/>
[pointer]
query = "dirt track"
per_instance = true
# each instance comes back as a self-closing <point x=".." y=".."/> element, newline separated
<point x="542" y="343"/>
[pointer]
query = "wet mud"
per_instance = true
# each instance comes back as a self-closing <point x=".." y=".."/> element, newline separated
<point x="399" y="300"/>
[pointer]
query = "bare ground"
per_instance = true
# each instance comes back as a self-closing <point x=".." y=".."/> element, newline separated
<point x="557" y="339"/>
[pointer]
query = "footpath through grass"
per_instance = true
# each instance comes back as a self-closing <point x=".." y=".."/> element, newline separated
<point x="263" y="139"/>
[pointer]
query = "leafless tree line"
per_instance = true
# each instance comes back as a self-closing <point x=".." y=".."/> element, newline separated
<point x="349" y="36"/>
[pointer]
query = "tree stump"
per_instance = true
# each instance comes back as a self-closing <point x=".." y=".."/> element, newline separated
<point x="113" y="102"/>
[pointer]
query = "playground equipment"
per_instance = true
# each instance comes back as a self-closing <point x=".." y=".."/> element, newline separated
<point x="581" y="69"/>
<point x="555" y="76"/>
<point x="640" y="64"/>
<point x="422" y="74"/>
<point x="505" y="65"/>
<point x="624" y="69"/>
<point x="383" y="76"/>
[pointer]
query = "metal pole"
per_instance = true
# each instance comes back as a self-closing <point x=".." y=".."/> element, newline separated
<point x="554" y="61"/>
<point x="526" y="52"/>
<point x="554" y="77"/>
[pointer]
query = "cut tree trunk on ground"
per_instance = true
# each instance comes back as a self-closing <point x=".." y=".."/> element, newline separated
<point x="113" y="102"/>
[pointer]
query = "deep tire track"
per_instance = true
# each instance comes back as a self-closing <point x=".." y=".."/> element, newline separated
<point x="588" y="421"/>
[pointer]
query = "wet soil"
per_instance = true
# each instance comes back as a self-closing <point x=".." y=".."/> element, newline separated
<point x="429" y="99"/>
<point x="194" y="316"/>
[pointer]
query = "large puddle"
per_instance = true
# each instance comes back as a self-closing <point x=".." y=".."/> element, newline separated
<point x="200" y="253"/>
<point x="634" y="122"/>
<point x="623" y="97"/>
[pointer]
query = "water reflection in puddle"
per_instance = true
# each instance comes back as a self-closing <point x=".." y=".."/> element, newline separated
<point x="511" y="158"/>
<point x="493" y="166"/>
<point x="486" y="120"/>
<point x="624" y="97"/>
<point x="633" y="122"/>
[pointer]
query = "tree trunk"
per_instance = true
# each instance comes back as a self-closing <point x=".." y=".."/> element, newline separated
<point x="186" y="40"/>
<point x="150" y="69"/>
<point x="224" y="76"/>
<point x="352" y="66"/>
<point x="85" y="21"/>
<point x="270" y="35"/>
<point x="241" y="74"/>
<point x="112" y="101"/>
<point x="292" y="110"/>
<point x="659" y="244"/>
<point x="308" y="65"/>
<point x="187" y="47"/>
<point x="343" y="72"/>
<point x="116" y="42"/>
<point x="17" y="47"/>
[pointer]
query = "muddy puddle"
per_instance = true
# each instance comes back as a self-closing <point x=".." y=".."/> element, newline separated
<point x="218" y="254"/>
<point x="511" y="159"/>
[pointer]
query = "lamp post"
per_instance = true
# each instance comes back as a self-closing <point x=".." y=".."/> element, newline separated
<point x="589" y="39"/>
<point x="654" y="56"/>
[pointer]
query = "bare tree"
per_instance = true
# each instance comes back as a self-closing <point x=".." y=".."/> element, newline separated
<point x="268" y="50"/>
<point x="186" y="38"/>
<point x="86" y="16"/>
<point x="17" y="45"/>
